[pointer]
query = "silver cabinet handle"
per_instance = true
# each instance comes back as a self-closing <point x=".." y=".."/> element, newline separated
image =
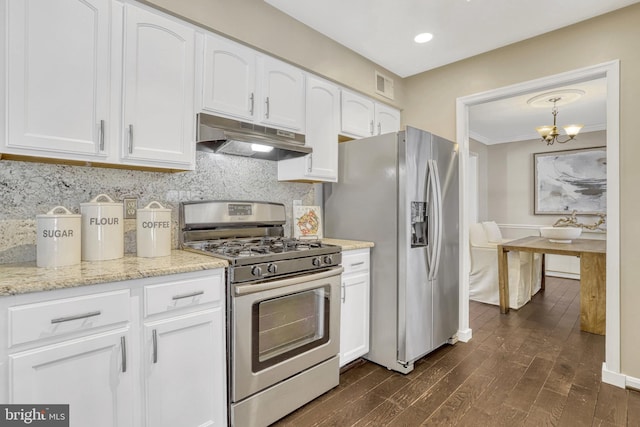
<point x="310" y="167"/>
<point x="379" y="129"/>
<point x="371" y="127"/>
<point x="252" y="102"/>
<point x="267" y="113"/>
<point x="101" y="135"/>
<point x="130" y="139"/>
<point x="154" y="337"/>
<point x="355" y="264"/>
<point x="192" y="294"/>
<point x="344" y="292"/>
<point x="123" y="348"/>
<point x="76" y="317"/>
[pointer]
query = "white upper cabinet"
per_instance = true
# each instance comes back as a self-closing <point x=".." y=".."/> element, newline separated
<point x="387" y="119"/>
<point x="357" y="115"/>
<point x="282" y="95"/>
<point x="363" y="117"/>
<point x="229" y="86"/>
<point x="65" y="82"/>
<point x="159" y="68"/>
<point x="322" y="124"/>
<point x="240" y="83"/>
<point x="58" y="58"/>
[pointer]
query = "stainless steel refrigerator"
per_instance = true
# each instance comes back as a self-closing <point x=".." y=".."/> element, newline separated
<point x="400" y="190"/>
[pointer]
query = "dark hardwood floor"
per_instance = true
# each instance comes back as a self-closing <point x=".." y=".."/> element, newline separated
<point x="532" y="367"/>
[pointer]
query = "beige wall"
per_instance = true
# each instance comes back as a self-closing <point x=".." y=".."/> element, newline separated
<point x="605" y="38"/>
<point x="261" y="26"/>
<point x="510" y="179"/>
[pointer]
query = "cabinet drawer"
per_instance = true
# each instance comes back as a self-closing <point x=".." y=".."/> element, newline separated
<point x="355" y="261"/>
<point x="31" y="322"/>
<point x="185" y="293"/>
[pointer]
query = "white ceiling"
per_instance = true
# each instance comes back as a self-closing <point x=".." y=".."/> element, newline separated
<point x="383" y="31"/>
<point x="513" y="119"/>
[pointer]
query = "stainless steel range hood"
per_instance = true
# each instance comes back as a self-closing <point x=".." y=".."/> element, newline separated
<point x="228" y="136"/>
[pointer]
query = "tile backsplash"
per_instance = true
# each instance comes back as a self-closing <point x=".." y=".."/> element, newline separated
<point x="28" y="189"/>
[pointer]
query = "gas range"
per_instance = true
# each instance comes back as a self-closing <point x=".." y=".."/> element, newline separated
<point x="250" y="236"/>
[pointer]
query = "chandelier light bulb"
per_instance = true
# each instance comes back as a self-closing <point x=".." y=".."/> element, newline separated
<point x="550" y="134"/>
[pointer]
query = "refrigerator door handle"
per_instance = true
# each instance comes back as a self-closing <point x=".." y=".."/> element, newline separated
<point x="430" y="218"/>
<point x="438" y="222"/>
<point x="432" y="196"/>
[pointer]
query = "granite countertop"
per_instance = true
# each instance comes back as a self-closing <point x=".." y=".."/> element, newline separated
<point x="348" y="244"/>
<point x="23" y="278"/>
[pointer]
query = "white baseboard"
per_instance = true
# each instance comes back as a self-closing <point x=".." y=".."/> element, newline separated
<point x="633" y="383"/>
<point x="465" y="335"/>
<point x="562" y="274"/>
<point x="617" y="379"/>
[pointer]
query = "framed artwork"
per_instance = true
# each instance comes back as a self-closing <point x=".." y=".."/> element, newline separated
<point x="307" y="222"/>
<point x="570" y="180"/>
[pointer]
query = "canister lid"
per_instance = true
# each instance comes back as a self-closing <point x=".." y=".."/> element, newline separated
<point x="156" y="207"/>
<point x="66" y="213"/>
<point x="96" y="201"/>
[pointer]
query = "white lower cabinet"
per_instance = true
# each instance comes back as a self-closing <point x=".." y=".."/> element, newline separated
<point x="184" y="362"/>
<point x="91" y="374"/>
<point x="147" y="352"/>
<point x="354" y="313"/>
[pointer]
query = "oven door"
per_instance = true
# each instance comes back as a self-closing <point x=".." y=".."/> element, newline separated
<point x="281" y="328"/>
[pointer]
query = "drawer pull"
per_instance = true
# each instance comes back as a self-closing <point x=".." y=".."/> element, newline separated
<point x="192" y="294"/>
<point x="76" y="317"/>
<point x="355" y="264"/>
<point x="123" y="347"/>
<point x="154" y="338"/>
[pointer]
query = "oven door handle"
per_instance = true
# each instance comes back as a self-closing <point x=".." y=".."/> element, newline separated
<point x="259" y="287"/>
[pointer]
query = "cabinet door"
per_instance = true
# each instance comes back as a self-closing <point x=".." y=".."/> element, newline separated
<point x="322" y="124"/>
<point x="354" y="321"/>
<point x="58" y="77"/>
<point x="184" y="360"/>
<point x="387" y="119"/>
<point x="159" y="67"/>
<point x="282" y="95"/>
<point x="229" y="78"/>
<point x="357" y="115"/>
<point x="90" y="374"/>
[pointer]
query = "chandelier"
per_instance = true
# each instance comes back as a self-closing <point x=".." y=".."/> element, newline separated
<point x="550" y="134"/>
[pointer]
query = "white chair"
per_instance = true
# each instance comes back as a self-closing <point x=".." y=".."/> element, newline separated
<point x="525" y="269"/>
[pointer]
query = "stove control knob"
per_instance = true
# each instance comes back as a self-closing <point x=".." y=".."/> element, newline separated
<point x="256" y="271"/>
<point x="272" y="268"/>
<point x="328" y="259"/>
<point x="316" y="262"/>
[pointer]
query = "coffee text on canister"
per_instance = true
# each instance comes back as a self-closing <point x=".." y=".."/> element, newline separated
<point x="57" y="233"/>
<point x="156" y="224"/>
<point x="104" y="221"/>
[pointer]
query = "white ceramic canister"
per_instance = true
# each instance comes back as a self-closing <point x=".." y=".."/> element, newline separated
<point x="153" y="231"/>
<point x="58" y="238"/>
<point x="102" y="229"/>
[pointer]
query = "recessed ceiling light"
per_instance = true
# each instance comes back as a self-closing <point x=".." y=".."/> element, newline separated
<point x="423" y="37"/>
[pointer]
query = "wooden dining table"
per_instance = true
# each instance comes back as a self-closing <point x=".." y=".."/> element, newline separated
<point x="592" y="254"/>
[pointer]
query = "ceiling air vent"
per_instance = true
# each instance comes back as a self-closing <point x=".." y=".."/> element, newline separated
<point x="384" y="86"/>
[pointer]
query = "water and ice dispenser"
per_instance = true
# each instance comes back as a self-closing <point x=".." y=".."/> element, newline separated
<point x="419" y="224"/>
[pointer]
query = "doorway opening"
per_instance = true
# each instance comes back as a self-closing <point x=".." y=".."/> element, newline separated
<point x="610" y="71"/>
